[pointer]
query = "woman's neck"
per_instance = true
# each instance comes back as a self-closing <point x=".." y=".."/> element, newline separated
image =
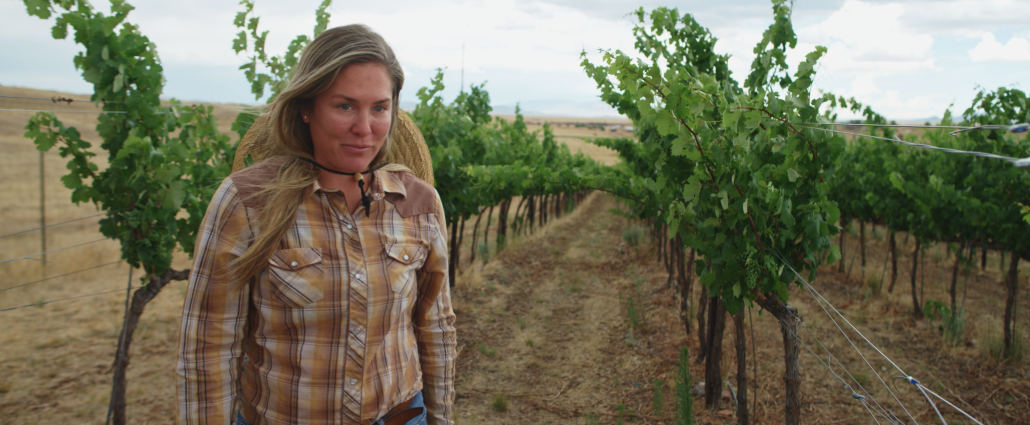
<point x="347" y="185"/>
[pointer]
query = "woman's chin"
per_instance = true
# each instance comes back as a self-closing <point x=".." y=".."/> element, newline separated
<point x="353" y="165"/>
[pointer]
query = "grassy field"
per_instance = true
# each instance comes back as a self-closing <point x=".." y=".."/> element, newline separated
<point x="543" y="326"/>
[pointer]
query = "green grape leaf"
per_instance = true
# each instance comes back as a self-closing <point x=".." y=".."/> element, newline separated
<point x="692" y="188"/>
<point x="792" y="175"/>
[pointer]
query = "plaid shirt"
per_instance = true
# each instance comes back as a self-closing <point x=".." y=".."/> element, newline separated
<point x="351" y="318"/>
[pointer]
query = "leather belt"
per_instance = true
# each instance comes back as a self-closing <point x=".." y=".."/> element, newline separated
<point x="401" y="413"/>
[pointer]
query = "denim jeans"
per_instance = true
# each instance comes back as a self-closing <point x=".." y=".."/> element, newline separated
<point x="416" y="402"/>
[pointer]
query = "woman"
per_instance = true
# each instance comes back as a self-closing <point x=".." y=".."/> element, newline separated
<point x="319" y="289"/>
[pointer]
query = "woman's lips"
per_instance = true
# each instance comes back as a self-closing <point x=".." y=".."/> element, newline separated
<point x="356" y="149"/>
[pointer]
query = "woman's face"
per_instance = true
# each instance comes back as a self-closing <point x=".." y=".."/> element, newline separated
<point x="350" y="120"/>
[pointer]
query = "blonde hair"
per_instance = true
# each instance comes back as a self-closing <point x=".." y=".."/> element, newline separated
<point x="320" y="63"/>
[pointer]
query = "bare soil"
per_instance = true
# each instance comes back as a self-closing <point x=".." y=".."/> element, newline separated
<point x="543" y="325"/>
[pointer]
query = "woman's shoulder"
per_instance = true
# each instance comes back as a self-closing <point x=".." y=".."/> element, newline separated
<point x="251" y="181"/>
<point x="412" y="196"/>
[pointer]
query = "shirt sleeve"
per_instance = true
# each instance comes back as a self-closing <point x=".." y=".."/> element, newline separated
<point x="214" y="315"/>
<point x="434" y="325"/>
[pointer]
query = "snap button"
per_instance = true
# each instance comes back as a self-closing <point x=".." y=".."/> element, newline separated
<point x="293" y="264"/>
<point x="357" y="275"/>
<point x="353" y="381"/>
<point x="349" y="227"/>
<point x="405" y="257"/>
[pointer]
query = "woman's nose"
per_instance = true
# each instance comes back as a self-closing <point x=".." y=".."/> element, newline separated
<point x="362" y="125"/>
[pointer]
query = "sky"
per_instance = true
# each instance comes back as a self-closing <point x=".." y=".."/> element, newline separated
<point x="908" y="59"/>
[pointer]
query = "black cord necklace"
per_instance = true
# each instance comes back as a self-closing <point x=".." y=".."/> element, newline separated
<point x="365" y="199"/>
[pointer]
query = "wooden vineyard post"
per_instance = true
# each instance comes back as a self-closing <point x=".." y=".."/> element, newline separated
<point x="686" y="287"/>
<point x="42" y="211"/>
<point x="916" y="309"/>
<point x="451" y="269"/>
<point x="861" y="244"/>
<point x="713" y="360"/>
<point x="702" y="330"/>
<point x="894" y="261"/>
<point x="502" y="224"/>
<point x="843" y="230"/>
<point x="461" y="238"/>
<point x="1011" y="285"/>
<point x="788" y="318"/>
<point x="475" y="232"/>
<point x="741" y="345"/>
<point x="954" y="276"/>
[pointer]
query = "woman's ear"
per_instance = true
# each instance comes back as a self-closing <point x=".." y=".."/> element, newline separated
<point x="305" y="111"/>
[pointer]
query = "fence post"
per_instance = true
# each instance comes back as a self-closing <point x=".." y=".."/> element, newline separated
<point x="42" y="210"/>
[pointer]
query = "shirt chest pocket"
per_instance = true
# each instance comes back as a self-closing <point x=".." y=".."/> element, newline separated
<point x="403" y="259"/>
<point x="297" y="274"/>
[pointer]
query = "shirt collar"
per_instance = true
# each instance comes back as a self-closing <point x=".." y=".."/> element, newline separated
<point x="383" y="182"/>
<point x="388" y="182"/>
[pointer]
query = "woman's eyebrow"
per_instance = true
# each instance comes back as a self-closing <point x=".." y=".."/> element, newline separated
<point x="351" y="99"/>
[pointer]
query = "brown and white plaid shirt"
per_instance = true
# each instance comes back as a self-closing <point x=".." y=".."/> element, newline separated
<point x="352" y="316"/>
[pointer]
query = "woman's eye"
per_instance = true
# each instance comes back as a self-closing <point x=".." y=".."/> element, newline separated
<point x="380" y="108"/>
<point x="345" y="106"/>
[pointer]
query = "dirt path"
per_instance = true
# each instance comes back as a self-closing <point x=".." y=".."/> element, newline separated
<point x="543" y="337"/>
<point x="543" y="329"/>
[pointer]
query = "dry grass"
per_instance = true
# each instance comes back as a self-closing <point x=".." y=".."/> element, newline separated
<point x="573" y="131"/>
<point x="56" y="357"/>
<point x="557" y="288"/>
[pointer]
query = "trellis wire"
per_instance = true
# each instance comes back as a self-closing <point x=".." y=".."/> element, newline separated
<point x="908" y="377"/>
<point x="29" y="257"/>
<point x="61" y="299"/>
<point x="834" y="358"/>
<point x="881" y="410"/>
<point x="852" y="343"/>
<point x="923" y="387"/>
<point x="63" y="275"/>
<point x="56" y="99"/>
<point x="81" y="112"/>
<point x="1018" y="162"/>
<point x="58" y="224"/>
<point x="1015" y="128"/>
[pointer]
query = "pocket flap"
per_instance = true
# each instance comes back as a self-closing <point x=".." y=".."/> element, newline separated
<point x="406" y="253"/>
<point x="296" y="258"/>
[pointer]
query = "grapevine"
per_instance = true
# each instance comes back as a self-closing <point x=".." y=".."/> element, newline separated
<point x="163" y="162"/>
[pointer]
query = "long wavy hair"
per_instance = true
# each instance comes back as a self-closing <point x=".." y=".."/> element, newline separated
<point x="320" y="63"/>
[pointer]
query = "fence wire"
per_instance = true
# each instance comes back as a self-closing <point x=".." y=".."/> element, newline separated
<point x="59" y="276"/>
<point x="1018" y="162"/>
<point x="823" y="302"/>
<point x="30" y="257"/>
<point x="62" y="299"/>
<point x="63" y="222"/>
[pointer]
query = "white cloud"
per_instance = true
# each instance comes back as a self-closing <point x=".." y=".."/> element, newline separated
<point x="528" y="50"/>
<point x="965" y="17"/>
<point x="1016" y="50"/>
<point x="866" y="37"/>
<point x="892" y="103"/>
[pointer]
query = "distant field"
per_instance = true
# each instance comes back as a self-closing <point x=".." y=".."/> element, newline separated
<point x="542" y="325"/>
<point x="56" y="357"/>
